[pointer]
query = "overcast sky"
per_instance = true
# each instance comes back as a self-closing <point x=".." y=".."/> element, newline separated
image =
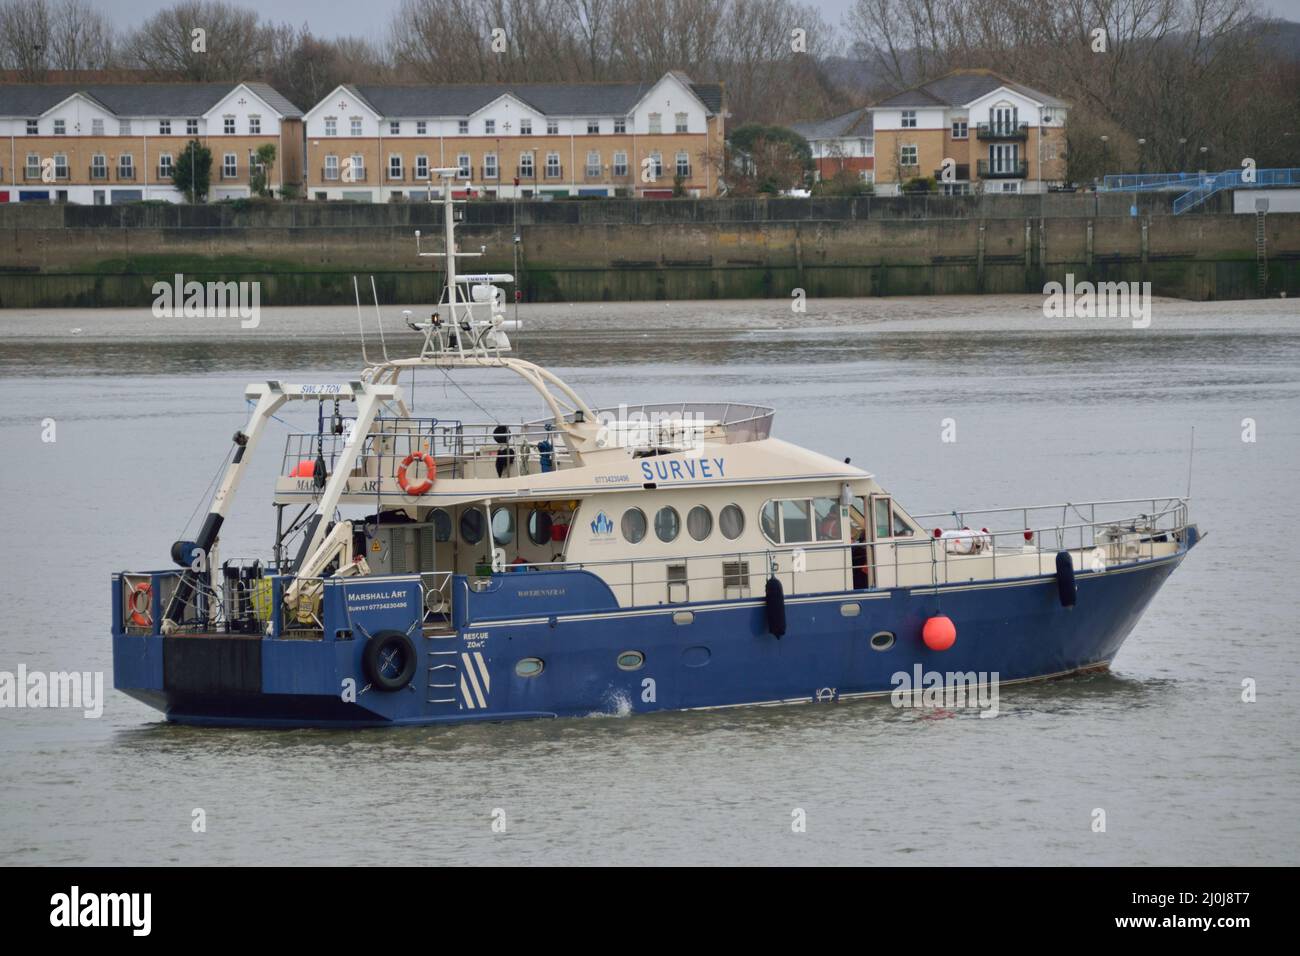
<point x="370" y="18"/>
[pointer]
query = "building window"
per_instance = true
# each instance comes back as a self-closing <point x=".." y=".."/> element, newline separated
<point x="60" y="127"/>
<point x="331" y="167"/>
<point x="356" y="125"/>
<point x="525" y="127"/>
<point x="229" y="166"/>
<point x="593" y="165"/>
<point x="960" y="130"/>
<point x="60" y="165"/>
<point x="656" y="165"/>
<point x="33" y="170"/>
<point x="228" y="125"/>
<point x="394" y="127"/>
<point x="164" y="127"/>
<point x="97" y="127"/>
<point x="394" y="166"/>
<point x="620" y="125"/>
<point x="33" y="128"/>
<point x="98" y="166"/>
<point x="620" y="163"/>
<point x="552" y="127"/>
<point x="462" y="127"/>
<point x="331" y="126"/>
<point x="358" y="168"/>
<point x="422" y="167"/>
<point x="255" y="125"/>
<point x="126" y="166"/>
<point x="165" y="166"/>
<point x="680" y="124"/>
<point x="490" y="169"/>
<point x="462" y="161"/>
<point x="593" y="127"/>
<point x="421" y="127"/>
<point x="684" y="164"/>
<point x="907" y="156"/>
<point x="909" y="119"/>
<point x="489" y="127"/>
<point x="552" y="165"/>
<point x="656" y="123"/>
<point x="526" y="165"/>
<point x="192" y="127"/>
<point x="124" y="128"/>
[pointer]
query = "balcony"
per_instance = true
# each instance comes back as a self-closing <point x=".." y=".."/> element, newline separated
<point x="1002" y="131"/>
<point x="229" y="176"/>
<point x="526" y="172"/>
<point x="396" y="175"/>
<point x="554" y="172"/>
<point x="165" y="173"/>
<point x="1003" y="170"/>
<point x="333" y="174"/>
<point x="489" y="172"/>
<point x="329" y="174"/>
<point x="126" y="174"/>
<point x="961" y="173"/>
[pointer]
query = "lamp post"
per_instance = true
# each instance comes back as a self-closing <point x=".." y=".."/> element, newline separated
<point x="1205" y="151"/>
<point x="1142" y="160"/>
<point x="1182" y="154"/>
<point x="1105" y="158"/>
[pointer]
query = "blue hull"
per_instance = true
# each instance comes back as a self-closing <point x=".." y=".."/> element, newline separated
<point x="1014" y="630"/>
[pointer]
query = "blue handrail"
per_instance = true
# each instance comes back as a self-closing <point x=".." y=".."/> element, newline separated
<point x="1199" y="186"/>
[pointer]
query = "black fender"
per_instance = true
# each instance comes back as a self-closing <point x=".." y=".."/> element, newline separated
<point x="775" y="607"/>
<point x="1066" y="589"/>
<point x="389" y="660"/>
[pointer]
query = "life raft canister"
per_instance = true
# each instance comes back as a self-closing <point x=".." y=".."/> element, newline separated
<point x="430" y="467"/>
<point x="140" y="601"/>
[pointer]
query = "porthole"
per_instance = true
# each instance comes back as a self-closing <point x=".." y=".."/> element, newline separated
<point x="471" y="526"/>
<point x="630" y="660"/>
<point x="699" y="522"/>
<point x="667" y="523"/>
<point x="731" y="522"/>
<point x="530" y="667"/>
<point x="633" y="524"/>
<point x="441" y="524"/>
<point x="503" y="526"/>
<point x="882" y="640"/>
<point x="539" y="527"/>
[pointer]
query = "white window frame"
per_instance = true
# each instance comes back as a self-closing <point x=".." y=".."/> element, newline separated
<point x="620" y="124"/>
<point x="99" y="161"/>
<point x="331" y="126"/>
<point x="331" y="164"/>
<point x="124" y="127"/>
<point x="680" y="123"/>
<point x="165" y="165"/>
<point x="465" y="164"/>
<point x="395" y="165"/>
<point x="421" y="127"/>
<point x="422" y="167"/>
<point x="356" y="125"/>
<point x="255" y="126"/>
<point x="526" y="166"/>
<point x="593" y="127"/>
<point x="559" y="170"/>
<point x="683" y="158"/>
<point x="655" y="123"/>
<point x="620" y="163"/>
<point x="491" y="168"/>
<point x="230" y="166"/>
<point x="33" y="127"/>
<point x="593" y="171"/>
<point x="96" y="127"/>
<point x="462" y="127"/>
<point x="32" y="168"/>
<point x="126" y="164"/>
<point x="552" y="127"/>
<point x="228" y="125"/>
<point x="904" y="150"/>
<point x="489" y="127"/>
<point x="394" y="127"/>
<point x="164" y="127"/>
<point x="60" y="160"/>
<point x="907" y="119"/>
<point x="191" y="127"/>
<point x="965" y="129"/>
<point x="526" y="126"/>
<point x="60" y="127"/>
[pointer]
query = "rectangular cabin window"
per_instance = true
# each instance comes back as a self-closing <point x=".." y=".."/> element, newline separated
<point x="827" y="511"/>
<point x="796" y="521"/>
<point x="735" y="579"/>
<point x="882" y="517"/>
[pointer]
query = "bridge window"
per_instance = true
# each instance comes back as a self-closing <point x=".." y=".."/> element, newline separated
<point x="667" y="524"/>
<point x="796" y="521"/>
<point x="799" y="520"/>
<point x="699" y="522"/>
<point x="634" y="524"/>
<point x="828" y="519"/>
<point x="731" y="521"/>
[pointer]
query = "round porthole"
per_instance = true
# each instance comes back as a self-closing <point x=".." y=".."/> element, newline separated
<point x="530" y="667"/>
<point x="539" y="527"/>
<point x="732" y="522"/>
<point x="630" y="660"/>
<point x="471" y="526"/>
<point x="882" y="640"/>
<point x="667" y="523"/>
<point x="699" y="522"/>
<point x="441" y="524"/>
<point x="633" y="524"/>
<point x="503" y="526"/>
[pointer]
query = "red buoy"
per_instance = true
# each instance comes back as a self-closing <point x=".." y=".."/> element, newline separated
<point x="939" y="633"/>
<point x="306" y="468"/>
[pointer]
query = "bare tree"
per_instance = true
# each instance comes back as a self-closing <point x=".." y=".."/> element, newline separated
<point x="81" y="38"/>
<point x="233" y="44"/>
<point x="25" y="37"/>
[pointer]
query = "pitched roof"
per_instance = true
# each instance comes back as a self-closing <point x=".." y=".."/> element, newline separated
<point x="133" y="99"/>
<point x="854" y="124"/>
<point x="961" y="87"/>
<point x="548" y="99"/>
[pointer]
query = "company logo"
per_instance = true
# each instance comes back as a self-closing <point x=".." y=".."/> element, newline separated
<point x="602" y="524"/>
<point x="102" y="909"/>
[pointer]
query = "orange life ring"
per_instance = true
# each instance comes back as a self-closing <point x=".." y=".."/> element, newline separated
<point x="141" y="611"/>
<point x="430" y="466"/>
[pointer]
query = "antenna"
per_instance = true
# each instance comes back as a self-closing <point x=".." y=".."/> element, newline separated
<point x="1191" y="450"/>
<point x="378" y="319"/>
<point x="356" y="290"/>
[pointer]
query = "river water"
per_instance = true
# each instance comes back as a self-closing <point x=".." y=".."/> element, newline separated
<point x="1044" y="410"/>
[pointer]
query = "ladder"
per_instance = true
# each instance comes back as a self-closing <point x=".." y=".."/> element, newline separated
<point x="1261" y="257"/>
